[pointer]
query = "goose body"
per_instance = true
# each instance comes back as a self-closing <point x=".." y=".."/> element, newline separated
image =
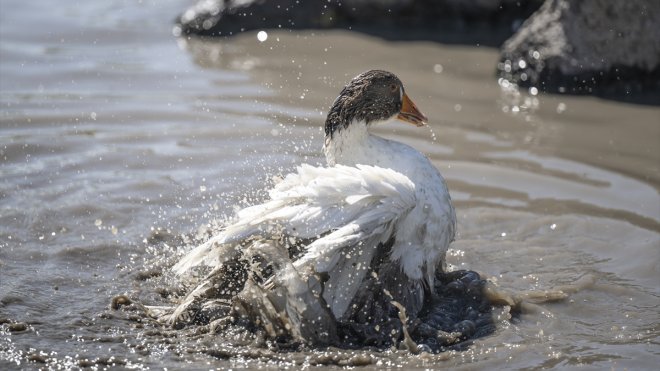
<point x="379" y="207"/>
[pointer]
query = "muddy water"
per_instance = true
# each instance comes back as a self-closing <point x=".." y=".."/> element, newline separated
<point x="113" y="134"/>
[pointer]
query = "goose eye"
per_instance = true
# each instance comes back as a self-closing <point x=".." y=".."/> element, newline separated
<point x="393" y="87"/>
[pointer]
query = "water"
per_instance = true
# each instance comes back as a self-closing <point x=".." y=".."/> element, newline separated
<point x="113" y="134"/>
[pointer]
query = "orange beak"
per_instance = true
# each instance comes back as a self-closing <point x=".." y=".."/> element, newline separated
<point x="410" y="114"/>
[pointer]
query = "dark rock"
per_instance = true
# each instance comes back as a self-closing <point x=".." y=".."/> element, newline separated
<point x="598" y="47"/>
<point x="397" y="19"/>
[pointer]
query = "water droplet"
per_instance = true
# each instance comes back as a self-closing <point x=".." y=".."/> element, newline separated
<point x="533" y="90"/>
<point x="507" y="67"/>
<point x="522" y="63"/>
<point x="438" y="68"/>
<point x="98" y="222"/>
<point x="561" y="107"/>
<point x="262" y="36"/>
<point x="553" y="226"/>
<point x="458" y="107"/>
<point x="503" y="234"/>
<point x="433" y="136"/>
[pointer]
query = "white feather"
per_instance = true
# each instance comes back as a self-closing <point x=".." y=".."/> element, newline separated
<point x="352" y="208"/>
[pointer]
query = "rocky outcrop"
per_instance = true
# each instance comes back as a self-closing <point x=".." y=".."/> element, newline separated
<point x="387" y="18"/>
<point x="603" y="47"/>
<point x="587" y="47"/>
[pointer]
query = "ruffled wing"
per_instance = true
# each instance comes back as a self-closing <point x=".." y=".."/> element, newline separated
<point x="345" y="211"/>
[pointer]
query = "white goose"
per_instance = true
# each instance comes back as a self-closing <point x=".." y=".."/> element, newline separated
<point x="374" y="193"/>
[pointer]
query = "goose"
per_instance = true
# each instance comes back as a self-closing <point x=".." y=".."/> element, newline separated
<point x="379" y="208"/>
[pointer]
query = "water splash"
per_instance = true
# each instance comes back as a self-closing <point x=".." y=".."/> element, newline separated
<point x="518" y="102"/>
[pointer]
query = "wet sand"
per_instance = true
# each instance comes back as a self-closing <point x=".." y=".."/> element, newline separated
<point x="112" y="131"/>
